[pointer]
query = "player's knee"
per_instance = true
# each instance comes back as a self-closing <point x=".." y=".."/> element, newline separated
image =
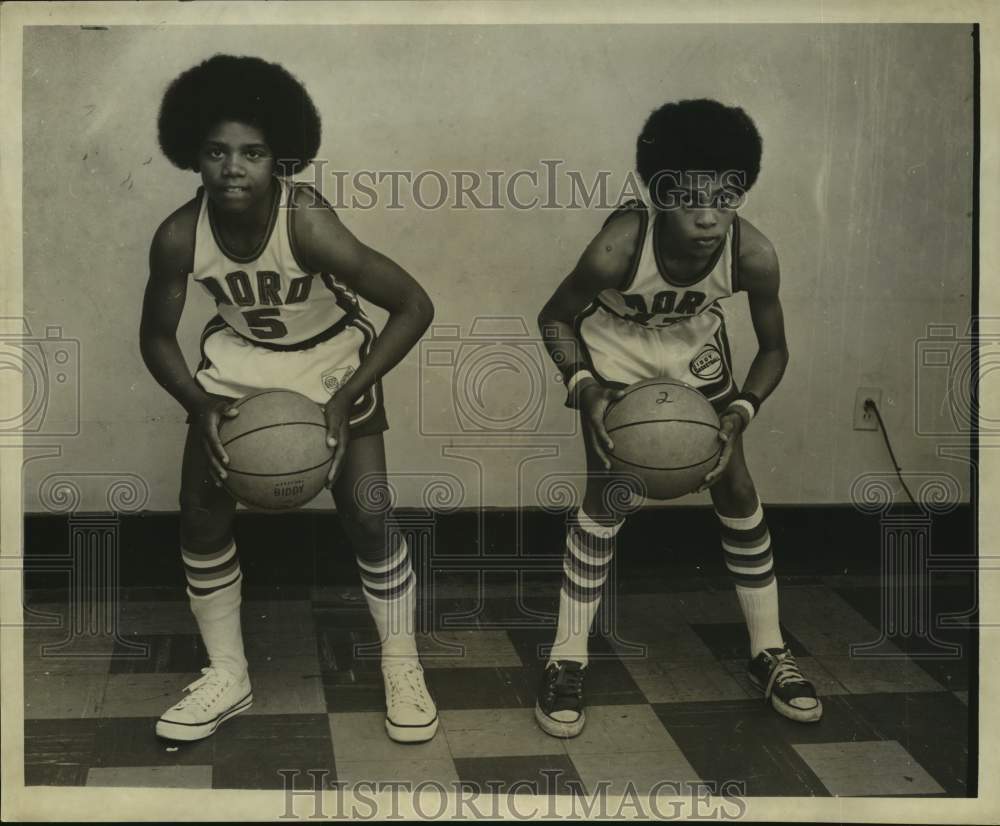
<point x="367" y="532"/>
<point x="203" y="527"/>
<point x="736" y="492"/>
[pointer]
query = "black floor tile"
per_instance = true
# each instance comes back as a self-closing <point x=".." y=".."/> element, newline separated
<point x="61" y="774"/>
<point x="740" y="740"/>
<point x="344" y="652"/>
<point x="255" y="754"/>
<point x="731" y="641"/>
<point x="841" y="723"/>
<point x="132" y="741"/>
<point x="610" y="684"/>
<point x="953" y="671"/>
<point x="59" y="752"/>
<point x="542" y="775"/>
<point x="167" y="653"/>
<point x="350" y="669"/>
<point x="524" y="611"/>
<point x="932" y="726"/>
<point x="533" y="645"/>
<point x="466" y="688"/>
<point x="608" y="681"/>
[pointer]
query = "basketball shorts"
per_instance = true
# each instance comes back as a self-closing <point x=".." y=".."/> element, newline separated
<point x="694" y="350"/>
<point x="233" y="366"/>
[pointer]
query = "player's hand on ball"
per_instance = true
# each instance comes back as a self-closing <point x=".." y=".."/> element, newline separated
<point x="209" y="417"/>
<point x="594" y="401"/>
<point x="337" y="435"/>
<point x="730" y="427"/>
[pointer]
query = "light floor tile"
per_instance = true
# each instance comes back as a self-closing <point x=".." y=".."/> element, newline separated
<point x="680" y="682"/>
<point x="361" y="737"/>
<point x="152" y="777"/>
<point x="823" y="621"/>
<point x="621" y="730"/>
<point x="644" y="770"/>
<point x="873" y="676"/>
<point x="287" y="692"/>
<point x="143" y="695"/>
<point x="664" y="637"/>
<point x="413" y="771"/>
<point x="881" y="767"/>
<point x="504" y="732"/>
<point x="468" y="649"/>
<point x="61" y="696"/>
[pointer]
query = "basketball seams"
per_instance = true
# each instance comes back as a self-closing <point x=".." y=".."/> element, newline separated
<point x="698" y="450"/>
<point x="286" y="473"/>
<point x="662" y="421"/>
<point x="276" y="468"/>
<point x="618" y="458"/>
<point x="268" y="427"/>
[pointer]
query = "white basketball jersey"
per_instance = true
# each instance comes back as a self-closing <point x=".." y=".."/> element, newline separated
<point x="651" y="297"/>
<point x="656" y="325"/>
<point x="267" y="296"/>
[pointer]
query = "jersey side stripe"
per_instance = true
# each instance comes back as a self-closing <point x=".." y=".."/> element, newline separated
<point x="734" y="256"/>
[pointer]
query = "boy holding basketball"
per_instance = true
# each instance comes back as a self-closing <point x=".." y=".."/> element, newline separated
<point x="285" y="275"/>
<point x="641" y="303"/>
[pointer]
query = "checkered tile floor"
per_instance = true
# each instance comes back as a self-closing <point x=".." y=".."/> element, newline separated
<point x="668" y="699"/>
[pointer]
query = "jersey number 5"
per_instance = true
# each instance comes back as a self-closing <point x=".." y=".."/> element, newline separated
<point x="264" y="323"/>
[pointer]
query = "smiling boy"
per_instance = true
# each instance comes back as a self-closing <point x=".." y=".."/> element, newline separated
<point x="286" y="276"/>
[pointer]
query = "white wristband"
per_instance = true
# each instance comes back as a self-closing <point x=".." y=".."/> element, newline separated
<point x="745" y="406"/>
<point x="575" y="379"/>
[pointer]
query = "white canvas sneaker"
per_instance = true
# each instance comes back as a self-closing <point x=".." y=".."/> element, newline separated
<point x="210" y="700"/>
<point x="410" y="715"/>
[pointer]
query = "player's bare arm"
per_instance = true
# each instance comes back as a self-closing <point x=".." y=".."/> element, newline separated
<point x="170" y="263"/>
<point x="760" y="277"/>
<point x="603" y="265"/>
<point x="326" y="245"/>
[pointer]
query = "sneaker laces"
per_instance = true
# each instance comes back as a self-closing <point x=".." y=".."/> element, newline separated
<point x="205" y="691"/>
<point x="784" y="671"/>
<point x="406" y="687"/>
<point x="566" y="682"/>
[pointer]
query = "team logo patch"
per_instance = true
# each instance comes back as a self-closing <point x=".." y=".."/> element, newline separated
<point x="336" y="378"/>
<point x="707" y="364"/>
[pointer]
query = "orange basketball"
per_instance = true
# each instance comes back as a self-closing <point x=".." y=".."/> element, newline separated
<point x="666" y="433"/>
<point x="278" y="455"/>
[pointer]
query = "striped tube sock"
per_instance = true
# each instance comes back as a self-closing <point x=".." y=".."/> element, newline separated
<point x="214" y="589"/>
<point x="209" y="571"/>
<point x="589" y="551"/>
<point x="391" y="593"/>
<point x="747" y="546"/>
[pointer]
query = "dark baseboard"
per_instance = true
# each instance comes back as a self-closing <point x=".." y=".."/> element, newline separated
<point x="308" y="547"/>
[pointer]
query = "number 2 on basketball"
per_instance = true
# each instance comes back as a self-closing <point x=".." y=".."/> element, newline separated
<point x="264" y="324"/>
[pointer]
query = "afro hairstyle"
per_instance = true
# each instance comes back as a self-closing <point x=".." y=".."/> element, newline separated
<point x="243" y="89"/>
<point x="698" y="136"/>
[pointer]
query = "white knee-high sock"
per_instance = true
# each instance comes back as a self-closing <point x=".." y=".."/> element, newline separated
<point x="747" y="546"/>
<point x="391" y="593"/>
<point x="215" y="592"/>
<point x="589" y="551"/>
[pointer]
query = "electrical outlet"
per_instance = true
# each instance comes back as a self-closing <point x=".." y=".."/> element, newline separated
<point x="865" y="419"/>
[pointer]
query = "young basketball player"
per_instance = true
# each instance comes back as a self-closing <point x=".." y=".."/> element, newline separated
<point x="643" y="302"/>
<point x="285" y="275"/>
